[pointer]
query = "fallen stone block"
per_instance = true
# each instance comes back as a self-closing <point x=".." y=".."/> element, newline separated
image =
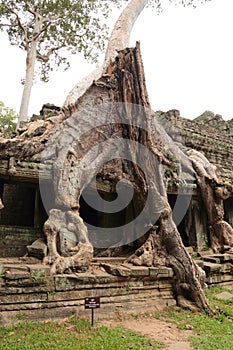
<point x="210" y="268"/>
<point x="37" y="249"/>
<point x="161" y="272"/>
<point x="117" y="270"/>
<point x="212" y="259"/>
<point x="137" y="271"/>
<point x="224" y="296"/>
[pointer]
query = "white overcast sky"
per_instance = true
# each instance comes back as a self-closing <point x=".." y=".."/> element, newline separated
<point x="188" y="60"/>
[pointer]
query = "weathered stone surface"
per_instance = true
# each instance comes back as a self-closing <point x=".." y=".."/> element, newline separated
<point x="27" y="285"/>
<point x="223" y="257"/>
<point x="205" y="135"/>
<point x="200" y="263"/>
<point x="136" y="271"/>
<point x="102" y="277"/>
<point x="38" y="271"/>
<point x="16" y="274"/>
<point x="108" y="260"/>
<point x="220" y="279"/>
<point x="189" y="250"/>
<point x="224" y="296"/>
<point x="210" y="268"/>
<point x="40" y="291"/>
<point x="227" y="268"/>
<point x="214" y="279"/>
<point x="117" y="270"/>
<point x="23" y="298"/>
<point x="2" y="270"/>
<point x="161" y="272"/>
<point x="13" y="239"/>
<point x="38" y="249"/>
<point x="212" y="258"/>
<point x="69" y="282"/>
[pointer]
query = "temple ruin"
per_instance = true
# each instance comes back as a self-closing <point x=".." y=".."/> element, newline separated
<point x="105" y="134"/>
<point x="23" y="215"/>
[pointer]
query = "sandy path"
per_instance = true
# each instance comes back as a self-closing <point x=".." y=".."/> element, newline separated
<point x="164" y="332"/>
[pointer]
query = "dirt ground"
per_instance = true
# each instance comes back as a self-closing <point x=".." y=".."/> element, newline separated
<point x="164" y="332"/>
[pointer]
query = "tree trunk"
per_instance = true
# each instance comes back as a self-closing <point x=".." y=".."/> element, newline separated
<point x="29" y="76"/>
<point x="119" y="40"/>
<point x="80" y="152"/>
<point x="104" y="124"/>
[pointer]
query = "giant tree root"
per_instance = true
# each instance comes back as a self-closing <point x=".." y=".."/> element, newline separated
<point x="83" y="252"/>
<point x="79" y="261"/>
<point x="76" y="166"/>
<point x="213" y="192"/>
<point x="165" y="247"/>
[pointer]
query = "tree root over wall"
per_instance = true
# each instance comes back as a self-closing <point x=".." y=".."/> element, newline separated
<point x="213" y="192"/>
<point x="123" y="82"/>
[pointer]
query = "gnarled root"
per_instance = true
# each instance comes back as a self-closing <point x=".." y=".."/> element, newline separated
<point x="80" y="261"/>
<point x="213" y="192"/>
<point x="83" y="252"/>
<point x="221" y="233"/>
<point x="166" y="248"/>
<point x="150" y="253"/>
<point x="52" y="227"/>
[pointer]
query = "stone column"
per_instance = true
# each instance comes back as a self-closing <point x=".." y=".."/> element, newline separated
<point x="197" y="228"/>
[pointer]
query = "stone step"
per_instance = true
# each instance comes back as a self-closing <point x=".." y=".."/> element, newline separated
<point x="108" y="260"/>
<point x="224" y="257"/>
<point x="211" y="268"/>
<point x="116" y="270"/>
<point x="138" y="271"/>
<point x="199" y="262"/>
<point x="218" y="258"/>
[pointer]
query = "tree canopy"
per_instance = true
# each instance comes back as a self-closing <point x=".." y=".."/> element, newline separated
<point x="77" y="26"/>
<point x="48" y="30"/>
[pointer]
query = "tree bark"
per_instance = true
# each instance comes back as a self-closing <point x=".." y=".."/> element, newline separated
<point x="78" y="143"/>
<point x="125" y="84"/>
<point x="213" y="192"/>
<point x="121" y="81"/>
<point x="30" y="68"/>
<point x="118" y="41"/>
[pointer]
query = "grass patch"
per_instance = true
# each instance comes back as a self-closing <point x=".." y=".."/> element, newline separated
<point x="70" y="334"/>
<point x="211" y="332"/>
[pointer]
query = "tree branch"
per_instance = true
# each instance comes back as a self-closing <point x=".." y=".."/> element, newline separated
<point x="41" y="31"/>
<point x="20" y="25"/>
<point x="45" y="58"/>
<point x="7" y="25"/>
<point x="29" y="9"/>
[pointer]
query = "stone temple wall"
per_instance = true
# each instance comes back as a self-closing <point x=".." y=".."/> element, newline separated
<point x="28" y="291"/>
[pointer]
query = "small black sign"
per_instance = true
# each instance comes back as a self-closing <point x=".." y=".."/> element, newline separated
<point x="92" y="303"/>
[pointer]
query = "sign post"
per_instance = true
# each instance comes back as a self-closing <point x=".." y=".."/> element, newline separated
<point x="92" y="303"/>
